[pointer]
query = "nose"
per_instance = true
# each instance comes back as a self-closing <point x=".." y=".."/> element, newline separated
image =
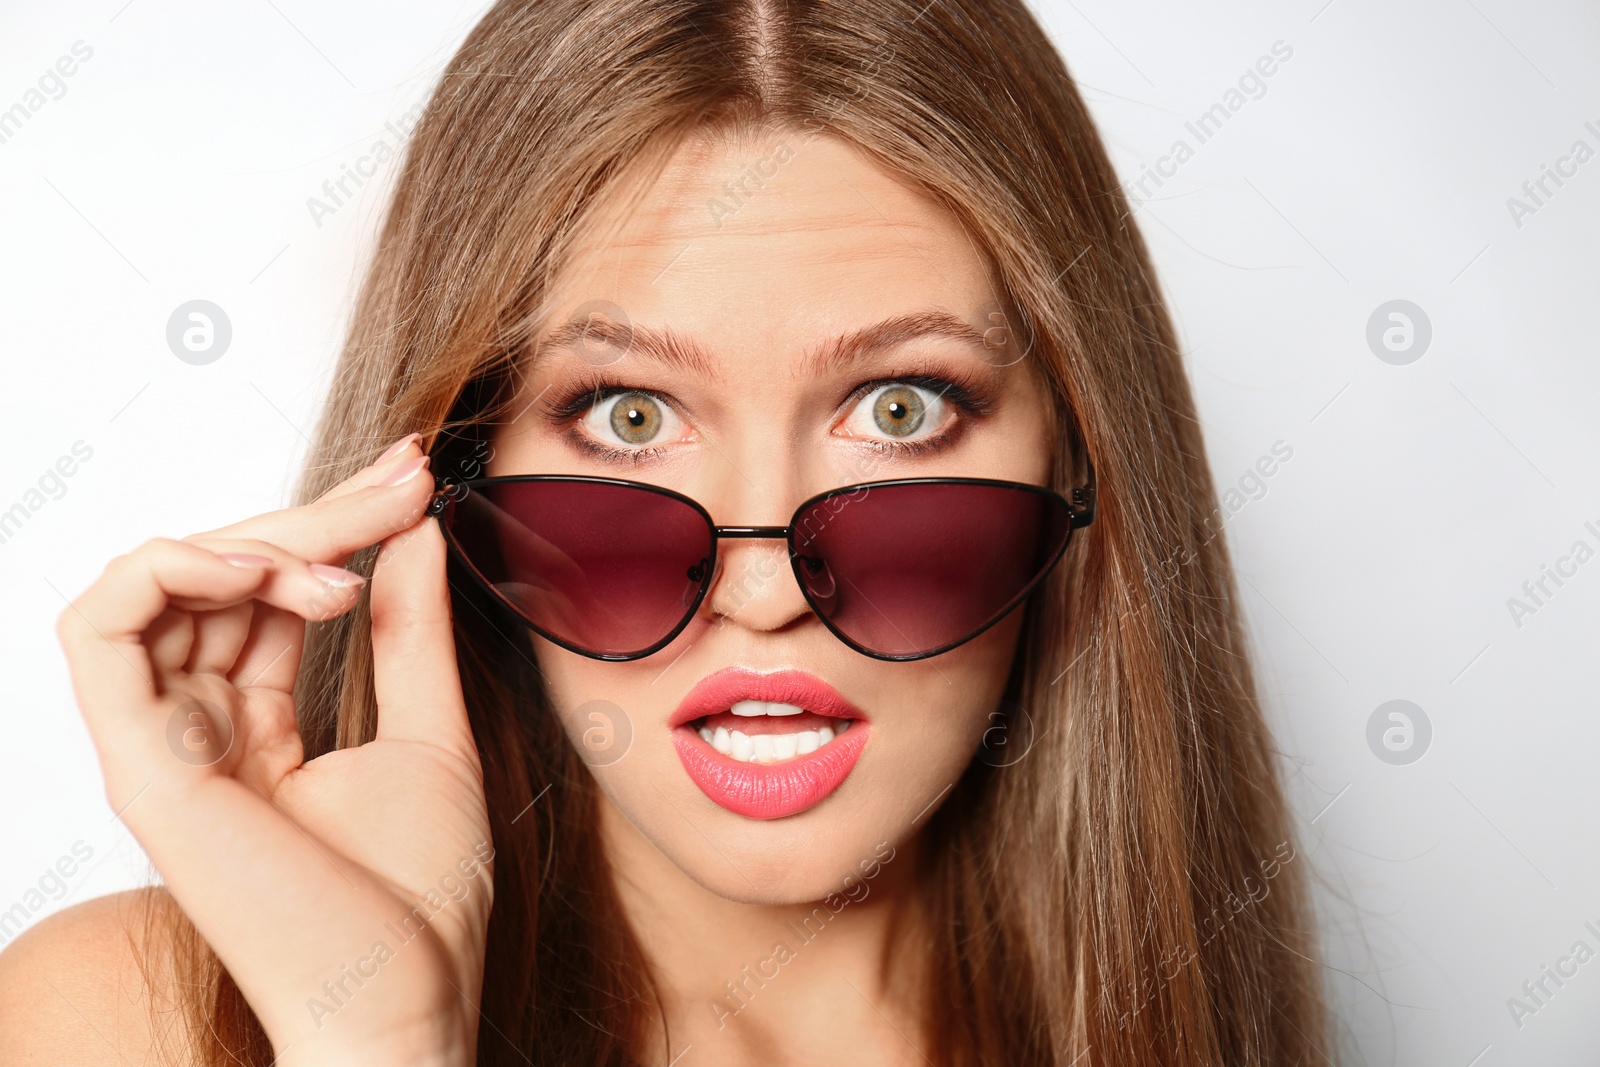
<point x="754" y="586"/>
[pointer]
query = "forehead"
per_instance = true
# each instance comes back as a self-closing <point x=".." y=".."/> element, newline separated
<point x="770" y="238"/>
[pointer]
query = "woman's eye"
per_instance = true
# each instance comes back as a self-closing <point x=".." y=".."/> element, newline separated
<point x="630" y="419"/>
<point x="896" y="411"/>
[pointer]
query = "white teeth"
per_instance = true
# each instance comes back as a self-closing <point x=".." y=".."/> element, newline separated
<point x="769" y="748"/>
<point x="751" y="708"/>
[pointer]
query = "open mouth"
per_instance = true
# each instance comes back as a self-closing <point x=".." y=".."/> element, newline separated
<point x="768" y="745"/>
<point x="761" y="731"/>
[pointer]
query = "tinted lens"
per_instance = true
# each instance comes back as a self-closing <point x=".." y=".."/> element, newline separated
<point x="911" y="569"/>
<point x="611" y="570"/>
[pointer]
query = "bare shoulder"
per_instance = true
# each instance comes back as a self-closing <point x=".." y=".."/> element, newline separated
<point x="92" y="984"/>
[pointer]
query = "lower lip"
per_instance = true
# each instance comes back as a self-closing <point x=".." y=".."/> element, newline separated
<point x="770" y="790"/>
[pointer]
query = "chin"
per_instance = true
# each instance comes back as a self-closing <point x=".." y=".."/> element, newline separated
<point x="779" y="875"/>
<point x="826" y="851"/>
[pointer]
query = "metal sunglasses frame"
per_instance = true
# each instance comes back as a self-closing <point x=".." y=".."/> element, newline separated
<point x="1080" y="512"/>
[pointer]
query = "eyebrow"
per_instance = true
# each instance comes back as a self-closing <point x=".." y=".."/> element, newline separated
<point x="672" y="349"/>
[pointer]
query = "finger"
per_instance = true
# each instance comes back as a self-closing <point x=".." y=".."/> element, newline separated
<point x="314" y="591"/>
<point x="103" y="630"/>
<point x="218" y="637"/>
<point x="416" y="682"/>
<point x="270" y="658"/>
<point x="407" y="448"/>
<point x="331" y="528"/>
<point x="169" y="639"/>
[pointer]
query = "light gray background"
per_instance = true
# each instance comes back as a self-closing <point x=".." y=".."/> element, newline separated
<point x="1375" y="564"/>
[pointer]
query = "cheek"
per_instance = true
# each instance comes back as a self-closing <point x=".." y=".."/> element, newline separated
<point x="1003" y="729"/>
<point x="613" y="716"/>
<point x="975" y="702"/>
<point x="597" y="712"/>
<point x="929" y="735"/>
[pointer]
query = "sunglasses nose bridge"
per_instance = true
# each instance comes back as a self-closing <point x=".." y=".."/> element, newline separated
<point x="760" y="533"/>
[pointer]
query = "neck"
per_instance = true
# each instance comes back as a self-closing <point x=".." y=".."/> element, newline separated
<point x="832" y="980"/>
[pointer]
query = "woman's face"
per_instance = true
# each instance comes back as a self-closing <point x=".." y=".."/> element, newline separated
<point x="752" y="261"/>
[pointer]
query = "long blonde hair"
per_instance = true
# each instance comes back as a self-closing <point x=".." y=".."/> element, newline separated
<point x="1094" y="902"/>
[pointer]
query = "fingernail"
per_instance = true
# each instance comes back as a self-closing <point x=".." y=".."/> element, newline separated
<point x="406" y="471"/>
<point x="397" y="448"/>
<point x="245" y="559"/>
<point x="337" y="576"/>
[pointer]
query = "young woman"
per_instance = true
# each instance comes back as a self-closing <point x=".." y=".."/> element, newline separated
<point x="763" y="604"/>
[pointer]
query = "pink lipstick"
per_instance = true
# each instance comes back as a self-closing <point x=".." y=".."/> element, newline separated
<point x="767" y="745"/>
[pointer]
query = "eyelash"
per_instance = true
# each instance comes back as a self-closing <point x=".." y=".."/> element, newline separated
<point x="970" y="397"/>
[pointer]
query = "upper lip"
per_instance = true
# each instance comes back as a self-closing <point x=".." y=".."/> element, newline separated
<point x="719" y="691"/>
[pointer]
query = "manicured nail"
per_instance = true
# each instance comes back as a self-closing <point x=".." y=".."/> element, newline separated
<point x="245" y="559"/>
<point x="337" y="576"/>
<point x="406" y="471"/>
<point x="397" y="448"/>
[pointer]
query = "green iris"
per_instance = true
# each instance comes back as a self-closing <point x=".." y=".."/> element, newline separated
<point x="898" y="410"/>
<point x="635" y="417"/>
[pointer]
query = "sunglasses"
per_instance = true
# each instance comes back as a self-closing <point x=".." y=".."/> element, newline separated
<point x="898" y="570"/>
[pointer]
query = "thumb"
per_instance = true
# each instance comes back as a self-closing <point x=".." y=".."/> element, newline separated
<point x="413" y="646"/>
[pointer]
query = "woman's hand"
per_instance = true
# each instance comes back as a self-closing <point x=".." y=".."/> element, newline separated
<point x="348" y="896"/>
